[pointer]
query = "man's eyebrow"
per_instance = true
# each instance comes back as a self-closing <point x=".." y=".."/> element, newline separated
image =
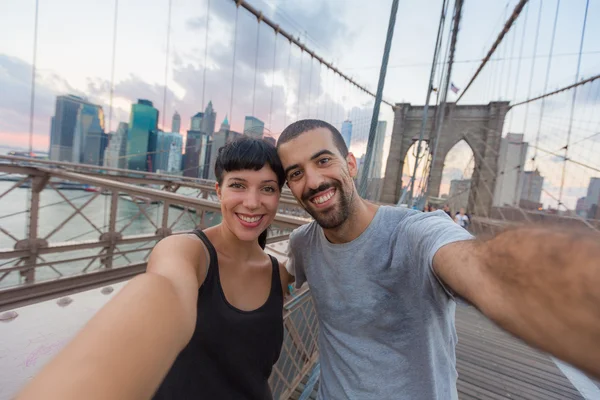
<point x="314" y="156"/>
<point x="320" y="153"/>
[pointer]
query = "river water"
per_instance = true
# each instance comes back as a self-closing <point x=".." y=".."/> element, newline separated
<point x="54" y="210"/>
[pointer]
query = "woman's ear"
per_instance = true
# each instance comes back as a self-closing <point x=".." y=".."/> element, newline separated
<point x="218" y="189"/>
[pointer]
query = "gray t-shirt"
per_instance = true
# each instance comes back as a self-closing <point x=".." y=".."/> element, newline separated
<point x="386" y="321"/>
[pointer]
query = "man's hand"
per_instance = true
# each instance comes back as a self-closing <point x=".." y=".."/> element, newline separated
<point x="539" y="284"/>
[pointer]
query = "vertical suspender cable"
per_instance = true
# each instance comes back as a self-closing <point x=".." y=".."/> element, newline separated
<point x="33" y="74"/>
<point x="164" y="110"/>
<point x="205" y="51"/>
<point x="273" y="83"/>
<point x="256" y="65"/>
<point x="573" y="100"/>
<point x="237" y="11"/>
<point x="510" y="117"/>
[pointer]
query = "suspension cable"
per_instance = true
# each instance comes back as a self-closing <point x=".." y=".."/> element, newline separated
<point x="273" y="83"/>
<point x="573" y="100"/>
<point x="164" y="111"/>
<point x="525" y="19"/>
<point x="256" y="63"/>
<point x="237" y="10"/>
<point x="506" y="28"/>
<point x="205" y="51"/>
<point x="535" y="43"/>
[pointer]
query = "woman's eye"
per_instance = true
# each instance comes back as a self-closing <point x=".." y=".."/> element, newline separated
<point x="236" y="186"/>
<point x="269" y="189"/>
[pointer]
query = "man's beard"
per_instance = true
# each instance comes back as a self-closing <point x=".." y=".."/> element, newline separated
<point x="334" y="216"/>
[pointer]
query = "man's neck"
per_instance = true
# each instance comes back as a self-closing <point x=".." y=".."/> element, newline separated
<point x="360" y="217"/>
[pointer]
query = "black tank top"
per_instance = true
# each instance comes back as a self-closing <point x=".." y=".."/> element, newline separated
<point x="232" y="352"/>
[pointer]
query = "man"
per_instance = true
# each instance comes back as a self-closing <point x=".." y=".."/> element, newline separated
<point x="461" y="219"/>
<point x="447" y="210"/>
<point x="384" y="279"/>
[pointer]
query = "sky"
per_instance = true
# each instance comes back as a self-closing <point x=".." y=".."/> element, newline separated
<point x="279" y="84"/>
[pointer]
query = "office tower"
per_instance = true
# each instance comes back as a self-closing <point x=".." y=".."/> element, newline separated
<point x="196" y="122"/>
<point x="176" y="123"/>
<point x="580" y="208"/>
<point x="175" y="154"/>
<point x="219" y="139"/>
<point x="63" y="125"/>
<point x="197" y="155"/>
<point x="347" y="132"/>
<point x="89" y="140"/>
<point x="377" y="157"/>
<point x="511" y="164"/>
<point x="593" y="192"/>
<point x="225" y="124"/>
<point x="531" y="190"/>
<point x="142" y="125"/>
<point x="254" y="127"/>
<point x="116" y="152"/>
<point x="208" y="120"/>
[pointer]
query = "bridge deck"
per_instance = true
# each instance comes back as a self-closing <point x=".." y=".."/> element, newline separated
<point x="494" y="365"/>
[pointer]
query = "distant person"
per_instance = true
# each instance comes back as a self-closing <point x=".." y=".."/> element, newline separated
<point x="447" y="210"/>
<point x="384" y="281"/>
<point x="461" y="219"/>
<point x="206" y="319"/>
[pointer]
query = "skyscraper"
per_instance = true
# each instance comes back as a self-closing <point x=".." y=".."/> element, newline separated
<point x="196" y="122"/>
<point x="532" y="187"/>
<point x="593" y="193"/>
<point x="511" y="163"/>
<point x="63" y="127"/>
<point x="176" y="124"/>
<point x="347" y="132"/>
<point x="116" y="152"/>
<point x="89" y="141"/>
<point x="224" y="135"/>
<point x="208" y="120"/>
<point x="176" y="148"/>
<point x="377" y="160"/>
<point x="142" y="124"/>
<point x="254" y="127"/>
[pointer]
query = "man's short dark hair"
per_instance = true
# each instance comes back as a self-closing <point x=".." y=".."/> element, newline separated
<point x="304" y="125"/>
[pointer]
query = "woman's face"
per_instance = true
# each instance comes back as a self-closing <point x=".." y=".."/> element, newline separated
<point x="249" y="201"/>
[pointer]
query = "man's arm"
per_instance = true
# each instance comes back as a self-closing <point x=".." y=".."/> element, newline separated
<point x="539" y="284"/>
<point x="127" y="348"/>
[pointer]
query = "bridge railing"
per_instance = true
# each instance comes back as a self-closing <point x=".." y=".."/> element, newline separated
<point x="62" y="230"/>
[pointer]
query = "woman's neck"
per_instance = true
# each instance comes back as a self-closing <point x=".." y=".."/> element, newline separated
<point x="229" y="244"/>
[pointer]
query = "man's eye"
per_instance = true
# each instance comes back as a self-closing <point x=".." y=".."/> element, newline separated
<point x="324" y="160"/>
<point x="294" y="174"/>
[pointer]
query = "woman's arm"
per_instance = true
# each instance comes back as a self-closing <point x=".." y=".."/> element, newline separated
<point x="127" y="348"/>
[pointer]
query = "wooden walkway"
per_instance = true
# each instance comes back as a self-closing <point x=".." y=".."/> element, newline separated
<point x="494" y="365"/>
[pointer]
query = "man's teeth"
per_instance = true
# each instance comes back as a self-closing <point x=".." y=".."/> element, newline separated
<point x="324" y="198"/>
<point x="249" y="219"/>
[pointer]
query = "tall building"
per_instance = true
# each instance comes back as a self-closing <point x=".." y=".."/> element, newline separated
<point x="89" y="140"/>
<point x="377" y="157"/>
<point x="580" y="208"/>
<point x="224" y="135"/>
<point x="116" y="152"/>
<point x="593" y="194"/>
<point x="63" y="125"/>
<point x="176" y="124"/>
<point x="254" y="127"/>
<point x="459" y="194"/>
<point x="196" y="122"/>
<point x="208" y="120"/>
<point x="175" y="154"/>
<point x="197" y="155"/>
<point x="532" y="186"/>
<point x="142" y="125"/>
<point x="347" y="132"/>
<point x="511" y="164"/>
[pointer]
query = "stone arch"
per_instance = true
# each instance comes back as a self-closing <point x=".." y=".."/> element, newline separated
<point x="479" y="125"/>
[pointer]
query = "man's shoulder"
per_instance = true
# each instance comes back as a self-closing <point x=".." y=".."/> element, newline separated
<point x="303" y="233"/>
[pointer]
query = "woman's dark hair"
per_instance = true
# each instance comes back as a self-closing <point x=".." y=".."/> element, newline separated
<point x="246" y="153"/>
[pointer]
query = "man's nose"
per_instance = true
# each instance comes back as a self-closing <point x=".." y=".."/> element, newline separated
<point x="313" y="179"/>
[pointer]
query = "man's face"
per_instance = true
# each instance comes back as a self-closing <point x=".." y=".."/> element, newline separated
<point x="319" y="177"/>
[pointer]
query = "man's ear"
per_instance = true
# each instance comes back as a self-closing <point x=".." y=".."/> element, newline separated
<point x="352" y="166"/>
<point x="218" y="189"/>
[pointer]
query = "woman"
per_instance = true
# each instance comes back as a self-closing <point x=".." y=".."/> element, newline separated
<point x="206" y="319"/>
